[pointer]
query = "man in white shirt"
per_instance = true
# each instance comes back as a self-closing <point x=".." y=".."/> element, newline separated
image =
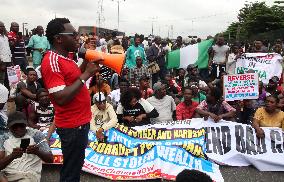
<point x="219" y="57"/>
<point x="5" y="55"/>
<point x="22" y="151"/>
<point x="164" y="104"/>
<point x="4" y="94"/>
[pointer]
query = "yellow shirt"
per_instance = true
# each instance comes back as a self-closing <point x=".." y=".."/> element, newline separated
<point x="269" y="120"/>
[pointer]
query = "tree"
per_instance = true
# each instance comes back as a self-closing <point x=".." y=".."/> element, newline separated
<point x="255" y="18"/>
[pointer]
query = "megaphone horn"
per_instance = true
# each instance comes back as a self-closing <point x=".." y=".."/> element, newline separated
<point x="113" y="61"/>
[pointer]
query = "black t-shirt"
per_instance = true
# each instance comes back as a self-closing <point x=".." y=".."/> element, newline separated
<point x="142" y="107"/>
<point x="32" y="87"/>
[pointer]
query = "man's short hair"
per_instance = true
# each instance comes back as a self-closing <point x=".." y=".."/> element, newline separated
<point x="54" y="27"/>
<point x="192" y="176"/>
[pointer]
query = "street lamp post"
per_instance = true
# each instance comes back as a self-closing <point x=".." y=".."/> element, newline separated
<point x="24" y="28"/>
<point x="118" y="1"/>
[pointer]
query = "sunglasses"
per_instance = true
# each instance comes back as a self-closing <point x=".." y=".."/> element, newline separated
<point x="74" y="34"/>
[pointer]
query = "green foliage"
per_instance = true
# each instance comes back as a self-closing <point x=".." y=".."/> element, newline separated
<point x="255" y="18"/>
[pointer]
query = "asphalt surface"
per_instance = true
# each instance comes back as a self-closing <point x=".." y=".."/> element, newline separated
<point x="50" y="173"/>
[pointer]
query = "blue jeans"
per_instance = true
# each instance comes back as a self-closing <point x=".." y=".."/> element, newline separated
<point x="73" y="144"/>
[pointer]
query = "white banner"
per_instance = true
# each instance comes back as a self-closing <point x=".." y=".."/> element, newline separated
<point x="235" y="144"/>
<point x="266" y="65"/>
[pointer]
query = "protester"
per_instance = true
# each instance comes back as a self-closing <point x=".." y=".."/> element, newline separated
<point x="232" y="60"/>
<point x="135" y="74"/>
<point x="164" y="104"/>
<point x="98" y="84"/>
<point x="245" y="112"/>
<point x="65" y="82"/>
<point x="103" y="116"/>
<point x="5" y="56"/>
<point x="186" y="109"/>
<point x="192" y="176"/>
<point x="4" y="95"/>
<point x="258" y="47"/>
<point x="273" y="88"/>
<point x="17" y="46"/>
<point x="26" y="91"/>
<point x="219" y="57"/>
<point x="268" y="116"/>
<point x="132" y="52"/>
<point x="156" y="54"/>
<point x="215" y="108"/>
<point x="144" y="87"/>
<point x="39" y="45"/>
<point x="116" y="94"/>
<point x="134" y="110"/>
<point x="180" y="79"/>
<point x="197" y="95"/>
<point x="41" y="114"/>
<point x="18" y="163"/>
<point x="178" y="43"/>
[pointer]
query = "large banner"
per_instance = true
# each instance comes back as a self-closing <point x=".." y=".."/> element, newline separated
<point x="240" y="87"/>
<point x="236" y="144"/>
<point x="145" y="153"/>
<point x="265" y="64"/>
<point x="162" y="151"/>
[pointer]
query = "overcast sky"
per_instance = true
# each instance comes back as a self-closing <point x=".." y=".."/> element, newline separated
<point x="187" y="17"/>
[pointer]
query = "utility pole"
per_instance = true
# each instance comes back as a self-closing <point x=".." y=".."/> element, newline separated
<point x="153" y="20"/>
<point x="118" y="1"/>
<point x="24" y="28"/>
<point x="101" y="18"/>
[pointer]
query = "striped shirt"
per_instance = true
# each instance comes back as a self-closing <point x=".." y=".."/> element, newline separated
<point x="18" y="50"/>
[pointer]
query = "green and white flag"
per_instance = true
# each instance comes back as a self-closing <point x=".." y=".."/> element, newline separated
<point x="193" y="54"/>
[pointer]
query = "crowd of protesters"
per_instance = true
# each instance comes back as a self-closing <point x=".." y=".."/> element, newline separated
<point x="139" y="96"/>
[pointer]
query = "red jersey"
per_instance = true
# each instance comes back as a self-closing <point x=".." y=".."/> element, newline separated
<point x="59" y="72"/>
<point x="185" y="112"/>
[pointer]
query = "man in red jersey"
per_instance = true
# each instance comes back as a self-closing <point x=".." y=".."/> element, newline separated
<point x="65" y="82"/>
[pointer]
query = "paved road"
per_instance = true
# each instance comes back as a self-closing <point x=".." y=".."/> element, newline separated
<point x="230" y="174"/>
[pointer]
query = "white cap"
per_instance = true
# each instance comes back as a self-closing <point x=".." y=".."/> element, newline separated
<point x="96" y="97"/>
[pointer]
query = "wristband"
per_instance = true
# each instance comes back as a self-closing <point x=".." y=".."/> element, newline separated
<point x="83" y="81"/>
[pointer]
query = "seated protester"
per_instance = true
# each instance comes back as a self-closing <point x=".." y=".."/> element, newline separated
<point x="193" y="76"/>
<point x="180" y="79"/>
<point x="4" y="95"/>
<point x="273" y="87"/>
<point x="186" y="109"/>
<point x="98" y="84"/>
<point x="42" y="112"/>
<point x="164" y="104"/>
<point x="192" y="176"/>
<point x="268" y="116"/>
<point x="114" y="96"/>
<point x="20" y="162"/>
<point x="171" y="85"/>
<point x="262" y="95"/>
<point x="26" y="91"/>
<point x="144" y="87"/>
<point x="198" y="96"/>
<point x="214" y="107"/>
<point x="135" y="74"/>
<point x="218" y="82"/>
<point x="134" y="110"/>
<point x="103" y="116"/>
<point x="244" y="112"/>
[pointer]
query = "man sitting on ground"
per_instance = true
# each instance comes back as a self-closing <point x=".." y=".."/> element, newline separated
<point x="164" y="104"/>
<point x="20" y="162"/>
<point x="26" y="90"/>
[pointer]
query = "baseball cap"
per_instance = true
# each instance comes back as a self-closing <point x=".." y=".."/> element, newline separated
<point x="157" y="86"/>
<point x="96" y="97"/>
<point x="274" y="79"/>
<point x="16" y="118"/>
<point x="144" y="77"/>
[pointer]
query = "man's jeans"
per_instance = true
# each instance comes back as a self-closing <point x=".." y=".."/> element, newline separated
<point x="73" y="144"/>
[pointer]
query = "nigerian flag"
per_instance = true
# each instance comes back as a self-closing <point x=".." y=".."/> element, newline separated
<point x="193" y="54"/>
